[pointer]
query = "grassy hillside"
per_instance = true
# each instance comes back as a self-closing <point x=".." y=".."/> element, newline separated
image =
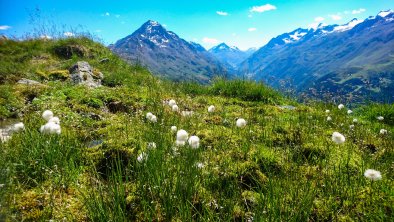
<point x="103" y="166"/>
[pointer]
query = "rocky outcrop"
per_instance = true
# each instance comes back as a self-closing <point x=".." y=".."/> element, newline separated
<point x="28" y="82"/>
<point x="82" y="73"/>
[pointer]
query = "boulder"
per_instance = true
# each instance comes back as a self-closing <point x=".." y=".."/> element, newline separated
<point x="28" y="82"/>
<point x="82" y="73"/>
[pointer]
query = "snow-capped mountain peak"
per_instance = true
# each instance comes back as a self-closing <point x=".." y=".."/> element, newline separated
<point x="224" y="47"/>
<point x="385" y="13"/>
<point x="348" y="26"/>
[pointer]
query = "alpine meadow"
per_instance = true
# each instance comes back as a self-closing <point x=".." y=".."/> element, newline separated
<point x="152" y="127"/>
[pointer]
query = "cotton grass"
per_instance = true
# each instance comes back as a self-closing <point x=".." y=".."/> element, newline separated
<point x="241" y="123"/>
<point x="18" y="127"/>
<point x="194" y="142"/>
<point x="211" y="109"/>
<point x="338" y="138"/>
<point x="373" y="175"/>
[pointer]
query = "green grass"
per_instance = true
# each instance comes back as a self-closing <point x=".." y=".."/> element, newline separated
<point x="282" y="166"/>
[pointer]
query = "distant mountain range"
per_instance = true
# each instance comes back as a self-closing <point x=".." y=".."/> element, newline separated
<point x="168" y="55"/>
<point x="230" y="54"/>
<point x="352" y="61"/>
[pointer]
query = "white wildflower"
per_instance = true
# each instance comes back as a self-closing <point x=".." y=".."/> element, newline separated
<point x="142" y="157"/>
<point x="341" y="106"/>
<point x="194" y="142"/>
<point x="211" y="109"/>
<point x="355" y="120"/>
<point x="327" y="111"/>
<point x="351" y="127"/>
<point x="171" y="103"/>
<point x="329" y="118"/>
<point x="149" y="116"/>
<point x="180" y="143"/>
<point x="153" y="119"/>
<point x="241" y="123"/>
<point x="175" y="108"/>
<point x="47" y="115"/>
<point x="338" y="138"/>
<point x="54" y="119"/>
<point x="18" y="127"/>
<point x="380" y="118"/>
<point x="182" y="135"/>
<point x="50" y="128"/>
<point x="383" y="131"/>
<point x="349" y="111"/>
<point x="187" y="113"/>
<point x="174" y="129"/>
<point x="373" y="174"/>
<point x="151" y="145"/>
<point x="200" y="165"/>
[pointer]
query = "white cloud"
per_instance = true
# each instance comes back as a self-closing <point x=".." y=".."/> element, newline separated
<point x="346" y="12"/>
<point x="319" y="19"/>
<point x="68" y="34"/>
<point x="361" y="10"/>
<point x="252" y="29"/>
<point x="335" y="17"/>
<point x="210" y="40"/>
<point x="98" y="30"/>
<point x="221" y="13"/>
<point x="4" y="27"/>
<point x="262" y="8"/>
<point x="107" y="14"/>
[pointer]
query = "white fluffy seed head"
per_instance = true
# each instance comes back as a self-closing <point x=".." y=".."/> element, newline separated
<point x="18" y="127"/>
<point x="211" y="109"/>
<point x="327" y="111"/>
<point x="241" y="123"/>
<point x="153" y="119"/>
<point x="175" y="108"/>
<point x="341" y="106"/>
<point x="355" y="120"/>
<point x="142" y="157"/>
<point x="383" y="131"/>
<point x="380" y="118"/>
<point x="151" y="145"/>
<point x="194" y="142"/>
<point x="50" y="128"/>
<point x="47" y="115"/>
<point x="187" y="113"/>
<point x="174" y="129"/>
<point x="329" y="118"/>
<point x="182" y="135"/>
<point x="373" y="175"/>
<point x="180" y="143"/>
<point x="349" y="111"/>
<point x="149" y="116"/>
<point x="54" y="119"/>
<point x="338" y="138"/>
<point x="171" y="103"/>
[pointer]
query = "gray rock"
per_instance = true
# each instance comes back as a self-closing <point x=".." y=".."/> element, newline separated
<point x="82" y="73"/>
<point x="28" y="82"/>
<point x="104" y="60"/>
<point x="287" y="107"/>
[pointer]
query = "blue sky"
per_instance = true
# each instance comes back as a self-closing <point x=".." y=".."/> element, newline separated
<point x="243" y="23"/>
